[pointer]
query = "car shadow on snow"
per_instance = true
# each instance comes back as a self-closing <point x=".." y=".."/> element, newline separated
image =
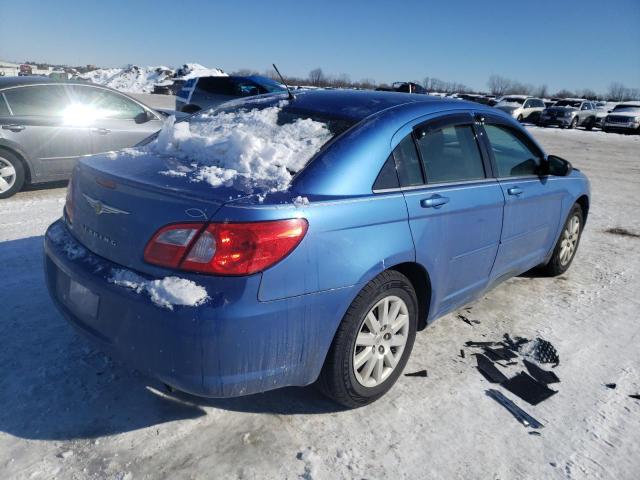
<point x="55" y="386"/>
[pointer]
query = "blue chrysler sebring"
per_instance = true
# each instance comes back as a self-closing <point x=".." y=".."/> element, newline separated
<point x="280" y="241"/>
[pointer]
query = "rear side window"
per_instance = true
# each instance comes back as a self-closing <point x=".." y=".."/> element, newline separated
<point x="216" y="86"/>
<point x="451" y="154"/>
<point x="408" y="163"/>
<point x="4" y="110"/>
<point x="105" y="104"/>
<point x="387" y="178"/>
<point x="513" y="156"/>
<point x="38" y="100"/>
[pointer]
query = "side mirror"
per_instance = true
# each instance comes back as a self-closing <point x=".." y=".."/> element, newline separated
<point x="143" y="117"/>
<point x="557" y="166"/>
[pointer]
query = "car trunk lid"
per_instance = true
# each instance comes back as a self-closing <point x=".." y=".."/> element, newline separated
<point x="120" y="201"/>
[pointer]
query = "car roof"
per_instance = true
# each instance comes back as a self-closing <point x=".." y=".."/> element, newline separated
<point x="7" y="82"/>
<point x="356" y="105"/>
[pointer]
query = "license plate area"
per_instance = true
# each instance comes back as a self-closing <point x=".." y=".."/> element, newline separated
<point x="78" y="298"/>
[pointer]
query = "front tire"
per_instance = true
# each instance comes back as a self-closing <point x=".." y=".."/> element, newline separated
<point x="12" y="174"/>
<point x="574" y="123"/>
<point x="373" y="342"/>
<point x="567" y="244"/>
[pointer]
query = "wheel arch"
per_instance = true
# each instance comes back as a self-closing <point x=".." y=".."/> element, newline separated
<point x="21" y="158"/>
<point x="583" y="201"/>
<point x="421" y="282"/>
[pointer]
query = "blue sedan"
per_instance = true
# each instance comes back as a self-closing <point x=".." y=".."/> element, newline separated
<point x="276" y="242"/>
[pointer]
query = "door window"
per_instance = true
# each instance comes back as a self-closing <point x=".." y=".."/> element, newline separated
<point x="4" y="109"/>
<point x="38" y="100"/>
<point x="100" y="103"/>
<point x="513" y="155"/>
<point x="216" y="85"/>
<point x="408" y="163"/>
<point x="451" y="154"/>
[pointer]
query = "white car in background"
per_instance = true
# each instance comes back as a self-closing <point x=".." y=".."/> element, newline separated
<point x="522" y="107"/>
<point x="602" y="110"/>
<point x="625" y="117"/>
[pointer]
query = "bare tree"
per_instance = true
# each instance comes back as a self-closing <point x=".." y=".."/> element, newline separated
<point x="316" y="77"/>
<point x="617" y="92"/>
<point x="564" y="93"/>
<point x="541" y="92"/>
<point x="499" y="85"/>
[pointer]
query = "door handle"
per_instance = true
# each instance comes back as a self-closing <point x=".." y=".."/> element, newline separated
<point x="101" y="131"/>
<point x="13" y="128"/>
<point x="435" y="201"/>
<point x="514" y="191"/>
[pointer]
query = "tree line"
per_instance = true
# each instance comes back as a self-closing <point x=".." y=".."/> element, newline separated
<point x="497" y="85"/>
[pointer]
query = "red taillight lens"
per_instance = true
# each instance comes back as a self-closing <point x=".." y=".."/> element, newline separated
<point x="225" y="248"/>
<point x="169" y="245"/>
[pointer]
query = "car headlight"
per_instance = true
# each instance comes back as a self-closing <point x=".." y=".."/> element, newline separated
<point x="568" y="114"/>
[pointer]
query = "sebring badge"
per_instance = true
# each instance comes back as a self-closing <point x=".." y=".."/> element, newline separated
<point x="100" y="207"/>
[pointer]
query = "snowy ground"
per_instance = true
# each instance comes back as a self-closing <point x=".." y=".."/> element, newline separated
<point x="69" y="412"/>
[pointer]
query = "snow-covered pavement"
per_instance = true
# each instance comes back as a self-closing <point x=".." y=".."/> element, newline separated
<point x="67" y="411"/>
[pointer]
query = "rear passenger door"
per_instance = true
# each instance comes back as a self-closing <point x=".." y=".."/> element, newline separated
<point x="455" y="207"/>
<point x="532" y="202"/>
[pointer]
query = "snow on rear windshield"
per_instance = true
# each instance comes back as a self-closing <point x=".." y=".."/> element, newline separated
<point x="251" y="149"/>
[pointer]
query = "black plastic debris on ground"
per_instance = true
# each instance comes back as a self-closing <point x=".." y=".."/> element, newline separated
<point x="541" y="375"/>
<point x="544" y="352"/>
<point x="500" y="353"/>
<point x="612" y="386"/>
<point x="528" y="388"/>
<point x="488" y="370"/>
<point x="514" y="344"/>
<point x="465" y="319"/>
<point x="636" y="396"/>
<point x="419" y="373"/>
<point x="478" y="344"/>
<point x="523" y="417"/>
<point x="461" y="353"/>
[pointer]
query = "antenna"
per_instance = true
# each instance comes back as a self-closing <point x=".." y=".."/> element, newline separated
<point x="291" y="97"/>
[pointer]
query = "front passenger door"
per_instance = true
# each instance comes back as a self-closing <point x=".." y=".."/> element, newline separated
<point x="532" y="203"/>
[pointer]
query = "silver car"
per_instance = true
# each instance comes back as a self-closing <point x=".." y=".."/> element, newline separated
<point x="570" y="113"/>
<point x="45" y="126"/>
<point x="521" y="107"/>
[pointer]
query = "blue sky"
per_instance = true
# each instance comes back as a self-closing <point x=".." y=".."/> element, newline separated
<point x="562" y="43"/>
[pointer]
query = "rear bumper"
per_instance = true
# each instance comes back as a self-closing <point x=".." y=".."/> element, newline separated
<point x="231" y="345"/>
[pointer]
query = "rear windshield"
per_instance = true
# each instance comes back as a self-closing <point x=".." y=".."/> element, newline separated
<point x="258" y="144"/>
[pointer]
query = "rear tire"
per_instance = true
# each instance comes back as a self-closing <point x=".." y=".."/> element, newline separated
<point x="366" y="356"/>
<point x="590" y="124"/>
<point x="574" y="123"/>
<point x="520" y="118"/>
<point x="12" y="174"/>
<point x="567" y="244"/>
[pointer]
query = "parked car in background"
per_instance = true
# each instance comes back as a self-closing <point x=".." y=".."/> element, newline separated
<point x="403" y="87"/>
<point x="395" y="210"/>
<point x="625" y="117"/>
<point x="521" y="107"/>
<point x="206" y="92"/>
<point x="602" y="110"/>
<point x="570" y="113"/>
<point x="45" y="126"/>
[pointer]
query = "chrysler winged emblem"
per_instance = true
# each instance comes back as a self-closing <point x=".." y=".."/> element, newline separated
<point x="99" y="208"/>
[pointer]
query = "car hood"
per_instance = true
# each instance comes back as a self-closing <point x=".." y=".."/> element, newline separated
<point x="561" y="109"/>
<point x="629" y="115"/>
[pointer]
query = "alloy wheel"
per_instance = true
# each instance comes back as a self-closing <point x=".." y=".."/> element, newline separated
<point x="7" y="175"/>
<point x="569" y="241"/>
<point x="381" y="341"/>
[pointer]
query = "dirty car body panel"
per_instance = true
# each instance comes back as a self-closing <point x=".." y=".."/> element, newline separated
<point x="273" y="328"/>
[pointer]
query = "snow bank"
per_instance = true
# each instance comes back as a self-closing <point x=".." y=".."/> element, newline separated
<point x="134" y="79"/>
<point x="245" y="148"/>
<point x="166" y="293"/>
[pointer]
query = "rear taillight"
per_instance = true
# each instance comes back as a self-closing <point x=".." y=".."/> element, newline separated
<point x="68" y="203"/>
<point x="225" y="248"/>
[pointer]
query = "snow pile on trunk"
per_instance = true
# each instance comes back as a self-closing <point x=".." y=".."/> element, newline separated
<point x="134" y="79"/>
<point x="166" y="293"/>
<point x="246" y="149"/>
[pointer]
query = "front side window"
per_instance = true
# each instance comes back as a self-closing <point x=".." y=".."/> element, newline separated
<point x="216" y="85"/>
<point x="38" y="100"/>
<point x="451" y="154"/>
<point x="408" y="163"/>
<point x="512" y="155"/>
